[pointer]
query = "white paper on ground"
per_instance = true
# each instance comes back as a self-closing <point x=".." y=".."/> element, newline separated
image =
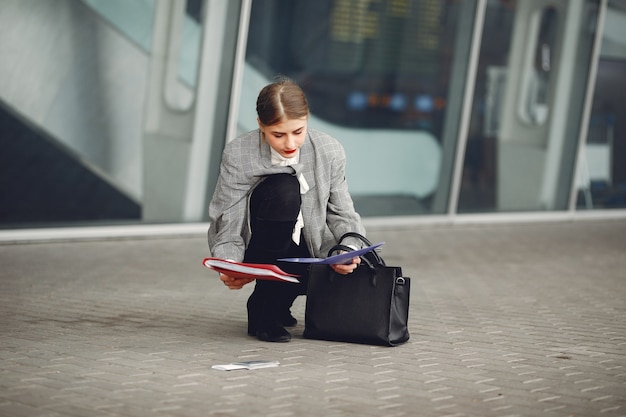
<point x="246" y="365"/>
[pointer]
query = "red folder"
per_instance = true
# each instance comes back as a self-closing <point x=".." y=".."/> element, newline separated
<point x="247" y="270"/>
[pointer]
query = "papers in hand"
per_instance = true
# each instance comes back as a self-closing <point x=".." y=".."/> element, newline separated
<point x="246" y="365"/>
<point x="246" y="270"/>
<point x="342" y="258"/>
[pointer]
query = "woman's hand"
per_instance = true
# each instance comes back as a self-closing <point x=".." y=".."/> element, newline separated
<point x="345" y="269"/>
<point x="235" y="283"/>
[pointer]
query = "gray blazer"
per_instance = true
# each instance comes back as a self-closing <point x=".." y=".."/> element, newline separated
<point x="327" y="207"/>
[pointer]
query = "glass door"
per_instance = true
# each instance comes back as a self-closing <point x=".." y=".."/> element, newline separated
<point x="601" y="179"/>
<point x="389" y="80"/>
<point x="384" y="77"/>
<point x="522" y="141"/>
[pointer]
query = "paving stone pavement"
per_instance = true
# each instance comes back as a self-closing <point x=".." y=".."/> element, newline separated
<point x="506" y="320"/>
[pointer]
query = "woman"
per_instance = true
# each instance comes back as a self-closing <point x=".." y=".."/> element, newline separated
<point x="281" y="193"/>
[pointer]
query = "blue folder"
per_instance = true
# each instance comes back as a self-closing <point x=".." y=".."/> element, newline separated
<point x="342" y="258"/>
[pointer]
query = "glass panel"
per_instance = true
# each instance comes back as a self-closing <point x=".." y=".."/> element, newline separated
<point x="601" y="178"/>
<point x="527" y="106"/>
<point x="71" y="109"/>
<point x="135" y="19"/>
<point x="132" y="18"/>
<point x="190" y="43"/>
<point x="384" y="77"/>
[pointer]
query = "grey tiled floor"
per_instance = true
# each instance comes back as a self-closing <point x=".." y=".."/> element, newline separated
<point x="505" y="320"/>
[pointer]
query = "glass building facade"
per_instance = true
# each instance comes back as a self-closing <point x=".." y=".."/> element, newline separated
<point x="117" y="111"/>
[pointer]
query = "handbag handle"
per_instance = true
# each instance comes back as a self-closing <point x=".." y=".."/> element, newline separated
<point x="368" y="263"/>
<point x="373" y="257"/>
<point x="347" y="249"/>
<point x="356" y="235"/>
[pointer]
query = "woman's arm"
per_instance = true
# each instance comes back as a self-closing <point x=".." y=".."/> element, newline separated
<point x="227" y="210"/>
<point x="341" y="216"/>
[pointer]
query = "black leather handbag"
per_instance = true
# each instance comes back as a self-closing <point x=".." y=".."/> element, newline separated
<point x="368" y="306"/>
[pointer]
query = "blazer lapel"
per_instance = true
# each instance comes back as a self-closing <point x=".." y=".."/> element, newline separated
<point x="307" y="162"/>
<point x="306" y="167"/>
<point x="264" y="148"/>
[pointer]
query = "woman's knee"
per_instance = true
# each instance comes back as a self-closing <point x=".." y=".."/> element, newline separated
<point x="276" y="198"/>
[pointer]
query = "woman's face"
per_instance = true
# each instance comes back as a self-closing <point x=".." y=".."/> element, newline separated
<point x="286" y="137"/>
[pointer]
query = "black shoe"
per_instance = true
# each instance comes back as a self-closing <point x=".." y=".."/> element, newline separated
<point x="287" y="320"/>
<point x="273" y="333"/>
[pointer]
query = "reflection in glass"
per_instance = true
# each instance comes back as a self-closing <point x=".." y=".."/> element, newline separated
<point x="478" y="186"/>
<point x="538" y="105"/>
<point x="601" y="176"/>
<point x="527" y="107"/>
<point x="378" y="77"/>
